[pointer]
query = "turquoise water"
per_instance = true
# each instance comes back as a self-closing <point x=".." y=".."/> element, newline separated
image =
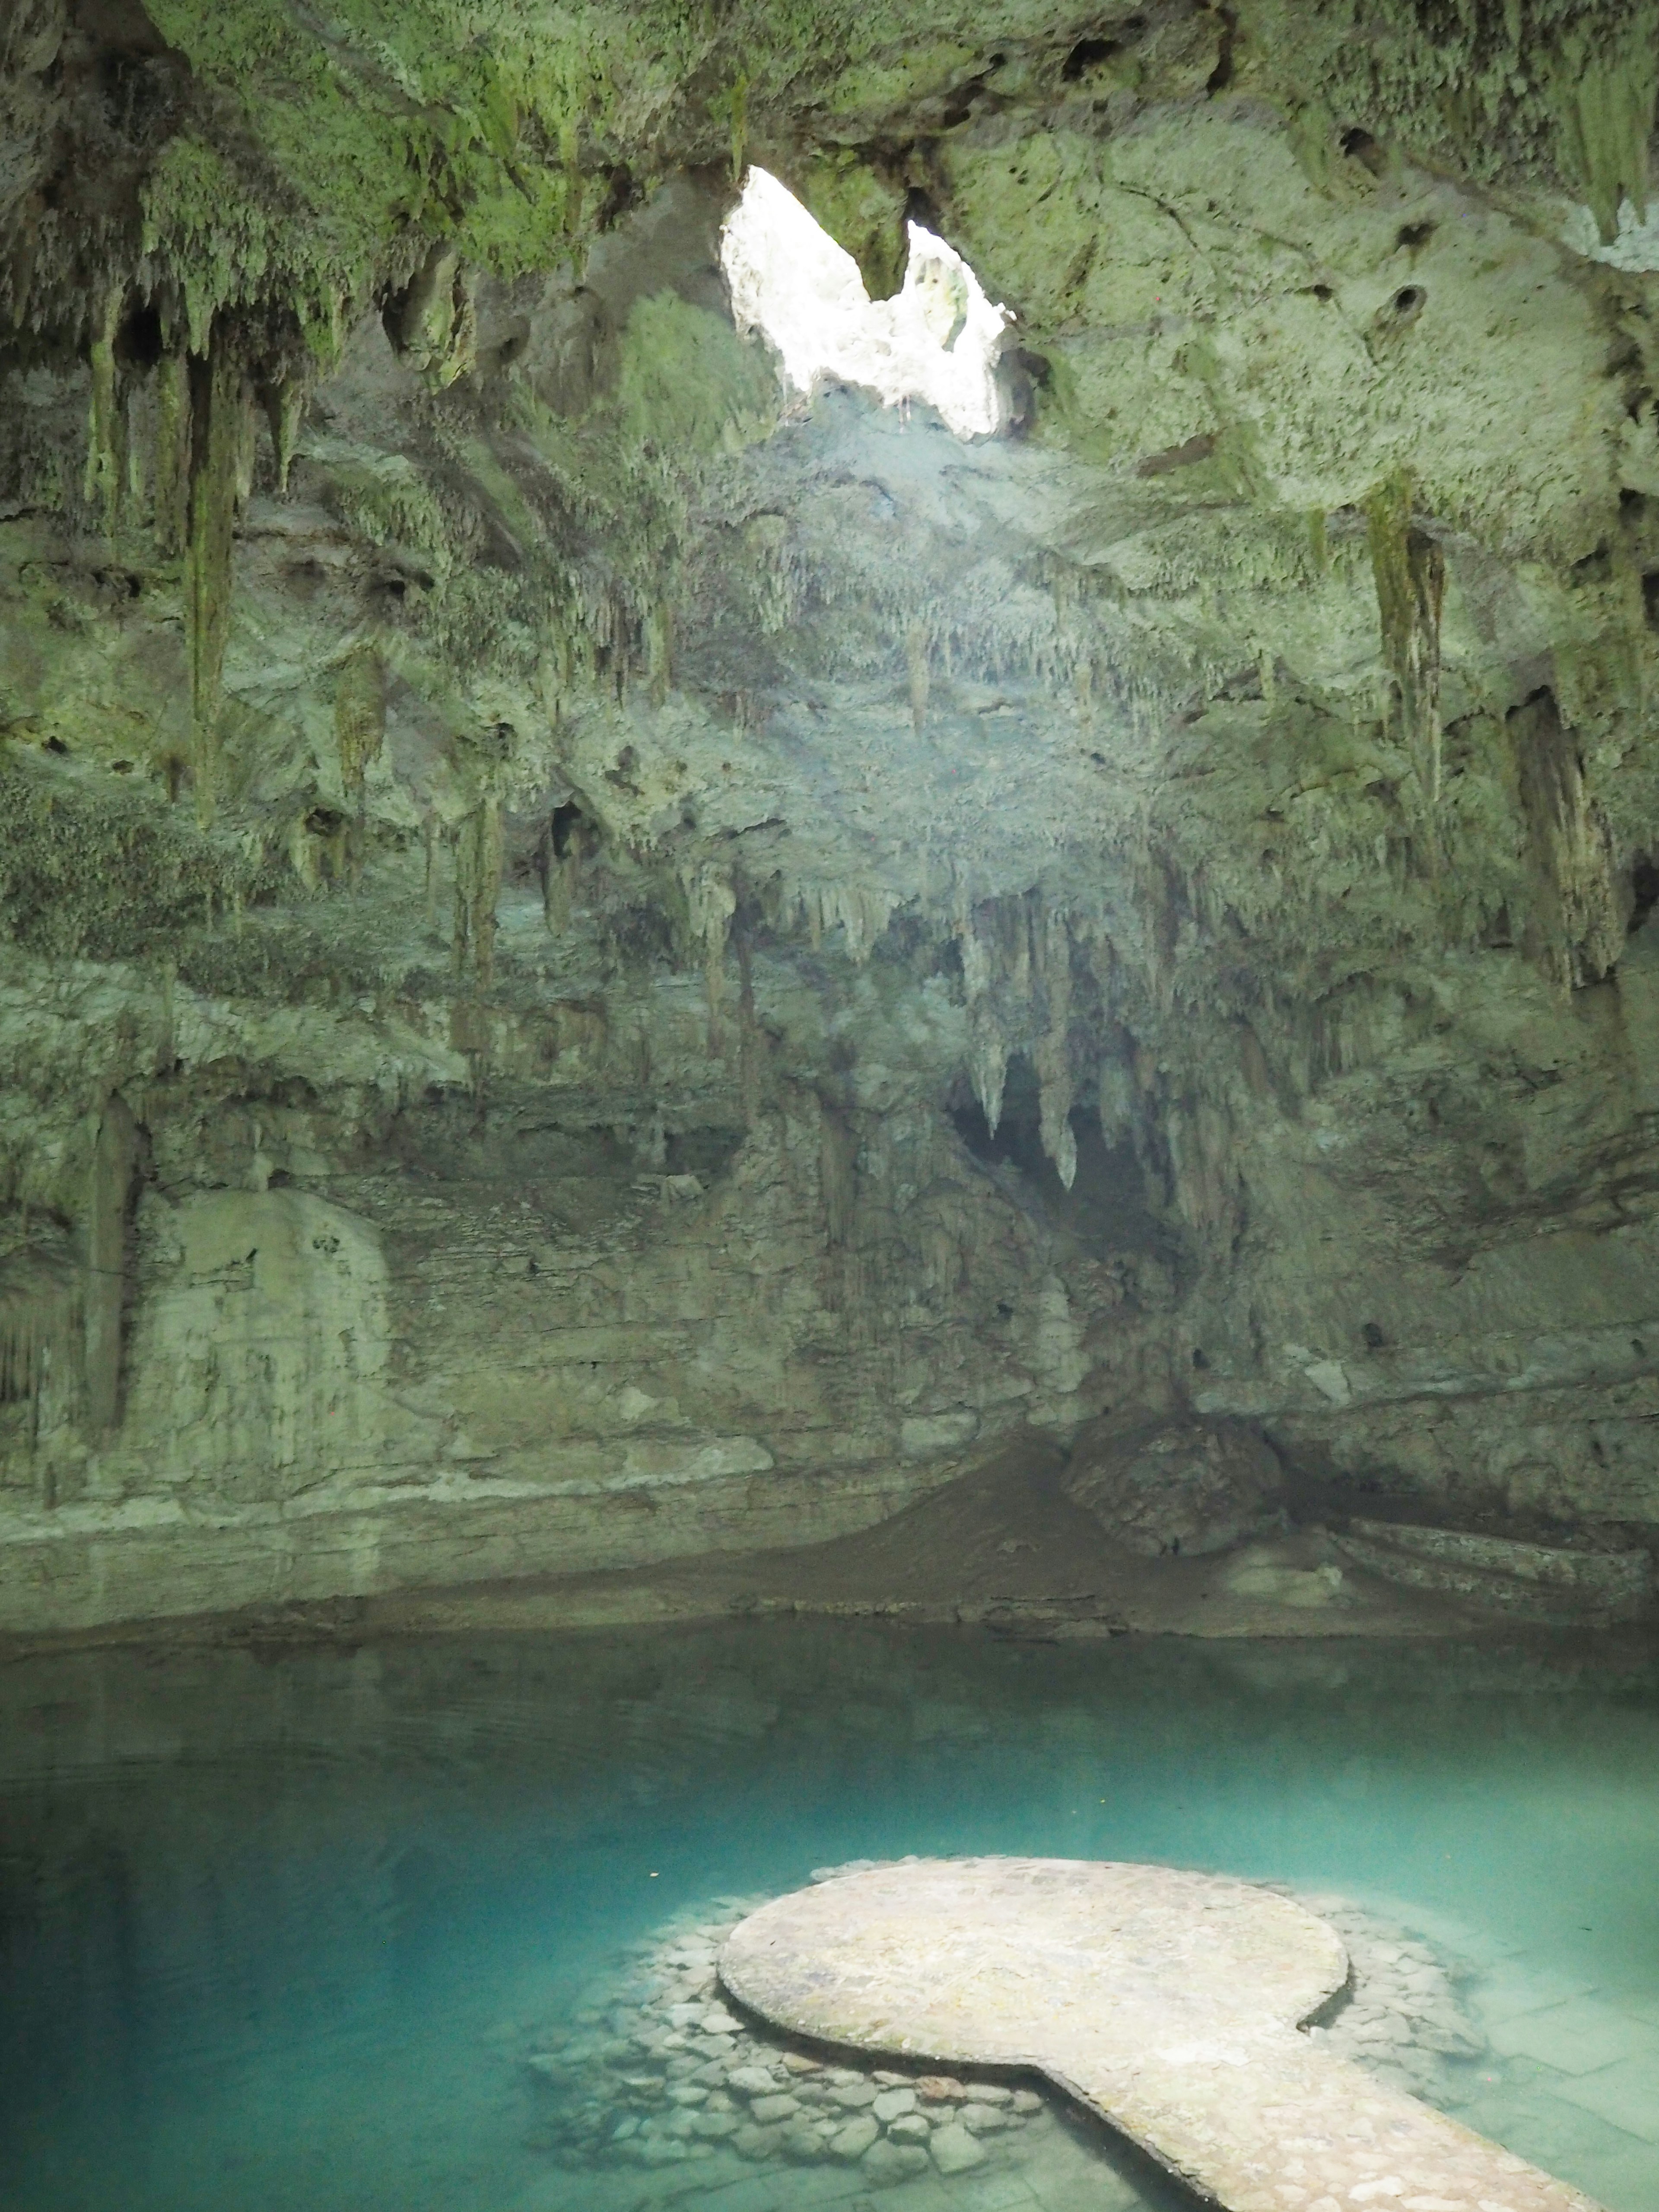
<point x="270" y="1921"/>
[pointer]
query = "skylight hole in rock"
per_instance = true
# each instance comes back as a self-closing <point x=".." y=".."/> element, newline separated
<point x="937" y="340"/>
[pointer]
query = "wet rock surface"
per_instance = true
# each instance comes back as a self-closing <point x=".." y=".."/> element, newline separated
<point x="660" y="2076"/>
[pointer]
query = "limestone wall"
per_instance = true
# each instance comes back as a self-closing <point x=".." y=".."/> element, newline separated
<point x="418" y="1379"/>
<point x="601" y="956"/>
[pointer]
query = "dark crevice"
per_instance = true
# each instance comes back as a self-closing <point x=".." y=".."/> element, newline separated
<point x="1221" y="75"/>
<point x="1359" y="146"/>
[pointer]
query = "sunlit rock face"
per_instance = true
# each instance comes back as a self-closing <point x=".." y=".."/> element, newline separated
<point x="625" y="936"/>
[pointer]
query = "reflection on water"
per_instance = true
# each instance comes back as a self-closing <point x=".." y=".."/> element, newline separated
<point x="273" y="1928"/>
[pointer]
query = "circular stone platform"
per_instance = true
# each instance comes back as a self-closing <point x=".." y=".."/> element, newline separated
<point x="1169" y="2003"/>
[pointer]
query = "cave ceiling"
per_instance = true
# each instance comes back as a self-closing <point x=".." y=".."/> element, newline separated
<point x="440" y="650"/>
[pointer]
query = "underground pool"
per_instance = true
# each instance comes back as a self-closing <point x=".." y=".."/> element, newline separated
<point x="311" y="1929"/>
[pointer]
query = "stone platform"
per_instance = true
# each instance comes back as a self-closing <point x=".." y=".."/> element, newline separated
<point x="1169" y="2003"/>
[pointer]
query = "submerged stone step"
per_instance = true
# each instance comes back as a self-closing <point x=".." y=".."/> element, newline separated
<point x="1545" y="1583"/>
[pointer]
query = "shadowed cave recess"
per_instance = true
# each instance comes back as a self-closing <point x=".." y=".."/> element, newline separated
<point x="753" y="759"/>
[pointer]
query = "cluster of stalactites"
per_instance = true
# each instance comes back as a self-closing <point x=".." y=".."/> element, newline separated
<point x="42" y="1324"/>
<point x="170" y="445"/>
<point x="860" y="911"/>
<point x="1023" y="961"/>
<point x="1016" y="975"/>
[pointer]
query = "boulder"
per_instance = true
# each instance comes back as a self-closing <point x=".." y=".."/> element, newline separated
<point x="888" y="2163"/>
<point x="765" y="2110"/>
<point x="955" y="2151"/>
<point x="854" y="2139"/>
<point x="1178" y="1487"/>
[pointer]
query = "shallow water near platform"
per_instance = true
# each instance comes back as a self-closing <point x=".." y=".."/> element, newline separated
<point x="274" y="1927"/>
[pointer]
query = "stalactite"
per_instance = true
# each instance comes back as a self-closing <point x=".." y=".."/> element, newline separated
<point x="172" y="455"/>
<point x="1084" y="685"/>
<point x="750" y="1042"/>
<point x="1054" y="1052"/>
<point x="570" y="158"/>
<point x="710" y="903"/>
<point x="558" y="879"/>
<point x="105" y="467"/>
<point x="739" y="126"/>
<point x="1018" y="968"/>
<point x="915" y="654"/>
<point x="318" y="855"/>
<point x="218" y="411"/>
<point x="1203" y="1154"/>
<point x="860" y="911"/>
<point x="1574" y="924"/>
<point x="42" y="1329"/>
<point x="285" y="411"/>
<point x="1410" y="573"/>
<point x="478" y="889"/>
<point x="987" y="1067"/>
<point x="1605" y="104"/>
<point x="659" y="652"/>
<point x="434" y="324"/>
<point x="568" y="841"/>
<point x="359" y="716"/>
<point x="109" y="1190"/>
<point x="838" y="1176"/>
<point x="987" y="1051"/>
<point x="1115" y="1096"/>
<point x="135" y="480"/>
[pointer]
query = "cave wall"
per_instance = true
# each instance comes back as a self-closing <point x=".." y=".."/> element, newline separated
<point x="603" y="959"/>
<point x="548" y="1358"/>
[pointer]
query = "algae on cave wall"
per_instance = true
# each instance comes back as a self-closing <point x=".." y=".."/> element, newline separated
<point x="1108" y="872"/>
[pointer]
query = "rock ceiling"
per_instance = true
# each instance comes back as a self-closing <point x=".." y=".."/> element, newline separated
<point x="442" y="659"/>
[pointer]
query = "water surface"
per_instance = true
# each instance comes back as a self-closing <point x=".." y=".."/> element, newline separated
<point x="270" y="1922"/>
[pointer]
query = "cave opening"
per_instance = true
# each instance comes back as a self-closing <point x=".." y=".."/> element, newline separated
<point x="937" y="340"/>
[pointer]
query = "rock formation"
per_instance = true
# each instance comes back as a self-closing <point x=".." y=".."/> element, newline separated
<point x="604" y="957"/>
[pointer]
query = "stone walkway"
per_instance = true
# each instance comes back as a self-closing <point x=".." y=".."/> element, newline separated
<point x="1166" y="2002"/>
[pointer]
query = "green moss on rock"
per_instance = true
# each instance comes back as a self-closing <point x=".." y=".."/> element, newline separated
<point x="862" y="210"/>
<point x="689" y="385"/>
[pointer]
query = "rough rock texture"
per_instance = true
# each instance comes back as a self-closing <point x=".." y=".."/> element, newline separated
<point x="1192" y="1486"/>
<point x="657" y="2064"/>
<point x="1166" y="2002"/>
<point x="602" y="960"/>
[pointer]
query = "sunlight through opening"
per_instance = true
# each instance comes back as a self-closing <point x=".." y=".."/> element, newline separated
<point x="937" y="339"/>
